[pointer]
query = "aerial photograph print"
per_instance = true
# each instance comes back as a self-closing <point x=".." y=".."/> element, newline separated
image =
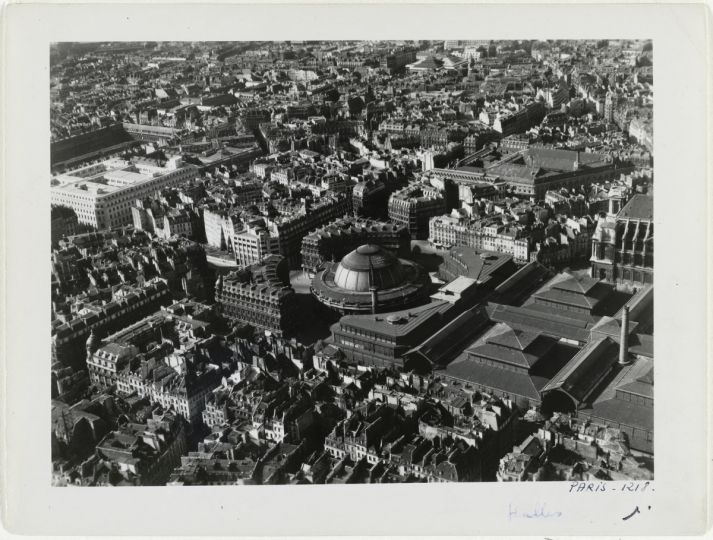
<point x="351" y="262"/>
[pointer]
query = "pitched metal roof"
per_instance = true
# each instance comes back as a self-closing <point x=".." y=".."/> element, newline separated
<point x="639" y="207"/>
<point x="547" y="323"/>
<point x="511" y="338"/>
<point x="512" y="382"/>
<point x="585" y="370"/>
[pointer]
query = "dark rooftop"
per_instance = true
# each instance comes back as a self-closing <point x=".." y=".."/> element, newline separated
<point x="639" y="207"/>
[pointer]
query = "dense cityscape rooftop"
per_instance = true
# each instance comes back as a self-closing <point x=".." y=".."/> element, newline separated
<point x="351" y="262"/>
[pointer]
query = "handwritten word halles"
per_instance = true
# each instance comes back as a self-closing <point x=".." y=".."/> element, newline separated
<point x="540" y="511"/>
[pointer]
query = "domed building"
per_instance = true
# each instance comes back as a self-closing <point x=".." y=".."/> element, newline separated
<point x="371" y="279"/>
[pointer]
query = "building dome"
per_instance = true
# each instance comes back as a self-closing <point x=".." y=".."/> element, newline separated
<point x="371" y="279"/>
<point x="369" y="265"/>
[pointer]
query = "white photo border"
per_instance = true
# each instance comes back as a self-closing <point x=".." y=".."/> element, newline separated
<point x="679" y="502"/>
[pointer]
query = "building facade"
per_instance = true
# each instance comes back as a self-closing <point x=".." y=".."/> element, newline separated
<point x="267" y="304"/>
<point x="414" y="206"/>
<point x="254" y="244"/>
<point x="104" y="199"/>
<point x="331" y="242"/>
<point x="623" y="246"/>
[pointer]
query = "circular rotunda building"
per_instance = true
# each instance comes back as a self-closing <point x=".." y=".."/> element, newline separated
<point x="371" y="279"/>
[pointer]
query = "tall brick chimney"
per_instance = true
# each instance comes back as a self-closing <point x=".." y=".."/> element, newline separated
<point x="624" y="341"/>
